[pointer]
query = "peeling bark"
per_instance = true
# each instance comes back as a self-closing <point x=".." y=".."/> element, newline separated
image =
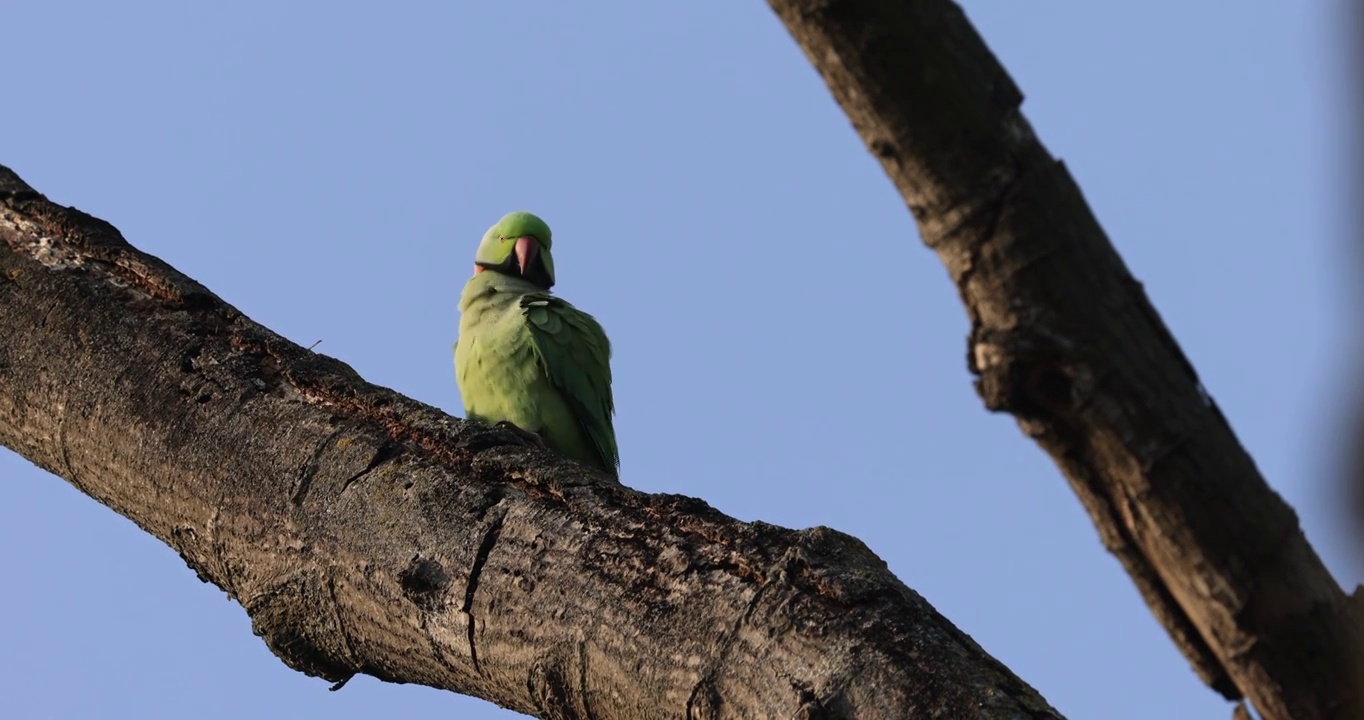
<point x="365" y="532"/>
<point x="1064" y="338"/>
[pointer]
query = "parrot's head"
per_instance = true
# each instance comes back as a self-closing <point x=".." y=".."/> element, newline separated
<point x="518" y="245"/>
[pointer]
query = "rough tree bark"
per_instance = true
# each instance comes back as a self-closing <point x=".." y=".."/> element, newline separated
<point x="365" y="532"/>
<point x="1065" y="339"/>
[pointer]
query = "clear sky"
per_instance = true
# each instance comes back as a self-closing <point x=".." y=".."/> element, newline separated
<point x="328" y="168"/>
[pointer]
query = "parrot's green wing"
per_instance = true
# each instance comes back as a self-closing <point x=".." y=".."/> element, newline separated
<point x="572" y="349"/>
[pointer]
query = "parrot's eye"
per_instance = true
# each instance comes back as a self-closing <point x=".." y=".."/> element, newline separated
<point x="502" y="238"/>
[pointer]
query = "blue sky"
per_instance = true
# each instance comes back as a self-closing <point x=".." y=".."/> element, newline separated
<point x="328" y="168"/>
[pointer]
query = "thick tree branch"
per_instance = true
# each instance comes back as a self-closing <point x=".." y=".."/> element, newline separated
<point x="365" y="532"/>
<point x="1064" y="338"/>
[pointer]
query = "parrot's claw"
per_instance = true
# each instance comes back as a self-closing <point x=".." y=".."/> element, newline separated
<point x="526" y="435"/>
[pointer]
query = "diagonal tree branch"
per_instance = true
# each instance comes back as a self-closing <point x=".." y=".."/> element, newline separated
<point x="1065" y="339"/>
<point x="365" y="532"/>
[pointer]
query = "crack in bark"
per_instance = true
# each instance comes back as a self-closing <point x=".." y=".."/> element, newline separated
<point x="485" y="548"/>
<point x="383" y="454"/>
<point x="707" y="681"/>
<point x="309" y="469"/>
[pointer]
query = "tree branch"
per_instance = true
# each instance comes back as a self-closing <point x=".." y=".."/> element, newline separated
<point x="365" y="532"/>
<point x="1065" y="339"/>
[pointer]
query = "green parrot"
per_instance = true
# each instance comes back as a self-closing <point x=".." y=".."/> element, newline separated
<point x="528" y="360"/>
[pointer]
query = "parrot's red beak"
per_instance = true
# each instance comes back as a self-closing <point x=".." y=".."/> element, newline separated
<point x="527" y="248"/>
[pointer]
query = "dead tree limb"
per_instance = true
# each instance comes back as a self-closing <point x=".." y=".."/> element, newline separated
<point x="365" y="532"/>
<point x="1065" y="339"/>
